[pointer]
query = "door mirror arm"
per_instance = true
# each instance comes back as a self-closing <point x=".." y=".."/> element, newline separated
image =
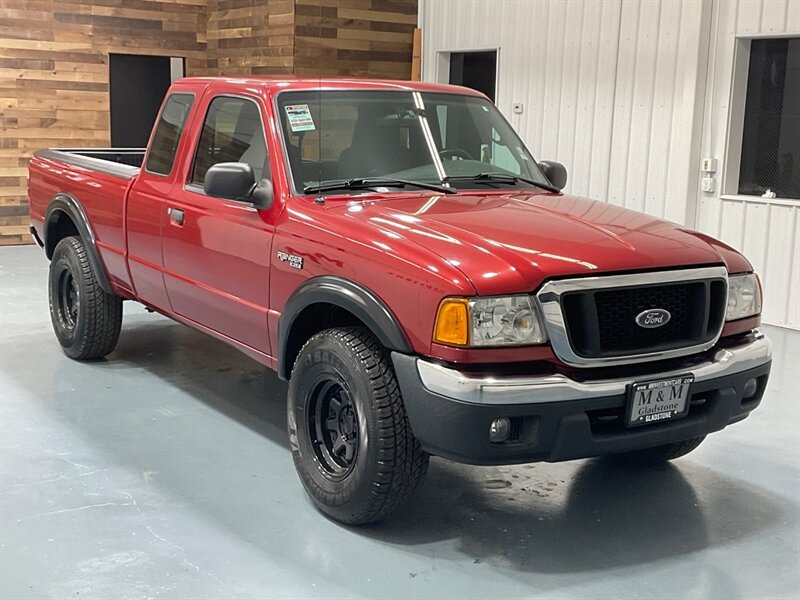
<point x="262" y="194"/>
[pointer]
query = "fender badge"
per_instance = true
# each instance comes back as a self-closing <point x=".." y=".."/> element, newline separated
<point x="296" y="262"/>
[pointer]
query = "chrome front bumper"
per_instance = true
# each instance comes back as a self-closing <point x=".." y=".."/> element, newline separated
<point x="462" y="387"/>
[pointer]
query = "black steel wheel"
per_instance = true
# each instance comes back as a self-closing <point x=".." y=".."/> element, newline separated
<point x="68" y="301"/>
<point x="333" y="426"/>
<point x="351" y="442"/>
<point x="86" y="319"/>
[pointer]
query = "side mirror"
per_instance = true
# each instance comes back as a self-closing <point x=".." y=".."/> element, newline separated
<point x="555" y="172"/>
<point x="237" y="181"/>
<point x="231" y="180"/>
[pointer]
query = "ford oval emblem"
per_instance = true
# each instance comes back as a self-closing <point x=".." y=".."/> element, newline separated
<point x="652" y="318"/>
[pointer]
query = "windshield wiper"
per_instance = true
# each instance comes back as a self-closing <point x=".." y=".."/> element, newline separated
<point x="490" y="178"/>
<point x="361" y="183"/>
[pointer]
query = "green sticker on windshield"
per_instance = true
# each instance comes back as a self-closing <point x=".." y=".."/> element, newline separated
<point x="300" y="117"/>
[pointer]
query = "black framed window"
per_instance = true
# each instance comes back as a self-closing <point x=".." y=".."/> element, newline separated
<point x="770" y="157"/>
<point x="232" y="132"/>
<point x="161" y="155"/>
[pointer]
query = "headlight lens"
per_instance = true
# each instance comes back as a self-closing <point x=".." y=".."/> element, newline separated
<point x="485" y="322"/>
<point x="744" y="297"/>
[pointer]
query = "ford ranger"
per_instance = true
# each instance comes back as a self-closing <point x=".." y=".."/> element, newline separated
<point x="395" y="251"/>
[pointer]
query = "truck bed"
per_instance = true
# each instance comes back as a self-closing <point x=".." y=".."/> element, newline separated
<point x="99" y="178"/>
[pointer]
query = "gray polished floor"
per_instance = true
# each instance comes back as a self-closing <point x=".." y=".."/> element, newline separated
<point x="164" y="472"/>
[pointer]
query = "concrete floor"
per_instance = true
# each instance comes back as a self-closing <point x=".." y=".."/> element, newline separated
<point x="164" y="472"/>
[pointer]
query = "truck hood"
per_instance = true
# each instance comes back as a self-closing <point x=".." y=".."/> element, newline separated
<point x="509" y="243"/>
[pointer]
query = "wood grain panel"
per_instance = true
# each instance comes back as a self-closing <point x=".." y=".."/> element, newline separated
<point x="362" y="38"/>
<point x="54" y="61"/>
<point x="250" y="37"/>
<point x="54" y="76"/>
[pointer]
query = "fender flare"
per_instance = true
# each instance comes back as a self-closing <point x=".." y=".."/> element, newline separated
<point x="346" y="294"/>
<point x="69" y="205"/>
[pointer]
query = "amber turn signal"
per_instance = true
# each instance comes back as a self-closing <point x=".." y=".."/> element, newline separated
<point x="452" y="322"/>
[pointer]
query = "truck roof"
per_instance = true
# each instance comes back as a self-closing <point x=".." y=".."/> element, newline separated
<point x="283" y="82"/>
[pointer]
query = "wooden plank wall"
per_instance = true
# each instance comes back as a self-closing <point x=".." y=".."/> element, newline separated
<point x="250" y="37"/>
<point x="363" y="38"/>
<point x="54" y="76"/>
<point x="54" y="61"/>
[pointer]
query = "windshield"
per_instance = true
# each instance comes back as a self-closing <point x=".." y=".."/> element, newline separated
<point x="431" y="138"/>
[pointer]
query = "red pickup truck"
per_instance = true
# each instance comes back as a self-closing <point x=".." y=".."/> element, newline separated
<point x="395" y="252"/>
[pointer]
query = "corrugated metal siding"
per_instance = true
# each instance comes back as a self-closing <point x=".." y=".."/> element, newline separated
<point x="558" y="58"/>
<point x="608" y="87"/>
<point x="655" y="112"/>
<point x="767" y="231"/>
<point x="615" y="90"/>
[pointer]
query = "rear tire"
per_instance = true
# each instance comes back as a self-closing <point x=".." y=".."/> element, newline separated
<point x="658" y="454"/>
<point x="86" y="319"/>
<point x="351" y="441"/>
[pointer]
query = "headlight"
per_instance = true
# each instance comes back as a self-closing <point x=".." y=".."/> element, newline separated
<point x="485" y="322"/>
<point x="744" y="297"/>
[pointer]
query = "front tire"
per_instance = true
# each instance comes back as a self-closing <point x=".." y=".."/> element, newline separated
<point x="658" y="455"/>
<point x="351" y="441"/>
<point x="86" y="319"/>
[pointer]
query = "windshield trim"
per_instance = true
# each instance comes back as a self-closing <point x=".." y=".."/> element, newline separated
<point x="284" y="145"/>
<point x="427" y="133"/>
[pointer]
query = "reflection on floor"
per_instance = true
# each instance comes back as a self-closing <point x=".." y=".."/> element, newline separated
<point x="164" y="472"/>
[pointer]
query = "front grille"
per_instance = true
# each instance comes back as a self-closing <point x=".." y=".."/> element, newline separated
<point x="602" y="323"/>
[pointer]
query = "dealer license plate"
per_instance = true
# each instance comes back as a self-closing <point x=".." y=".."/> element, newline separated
<point x="659" y="400"/>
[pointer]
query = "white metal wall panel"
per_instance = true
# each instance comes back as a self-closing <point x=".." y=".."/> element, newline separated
<point x="633" y="105"/>
<point x="630" y="94"/>
<point x="686" y="117"/>
<point x="767" y="231"/>
<point x="558" y="58"/>
<point x="592" y="140"/>
<point x="654" y="150"/>
<point x="609" y="87"/>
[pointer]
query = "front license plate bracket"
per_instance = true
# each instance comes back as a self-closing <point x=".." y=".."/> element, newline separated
<point x="658" y="400"/>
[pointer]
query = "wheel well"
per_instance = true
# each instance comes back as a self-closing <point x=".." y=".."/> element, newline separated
<point x="59" y="226"/>
<point x="311" y="320"/>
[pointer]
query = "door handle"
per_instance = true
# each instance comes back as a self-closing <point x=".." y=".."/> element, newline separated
<point x="175" y="216"/>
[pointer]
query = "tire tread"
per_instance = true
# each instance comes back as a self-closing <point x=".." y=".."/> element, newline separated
<point x="103" y="311"/>
<point x="402" y="461"/>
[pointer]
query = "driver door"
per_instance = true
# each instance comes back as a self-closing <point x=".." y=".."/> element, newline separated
<point x="216" y="251"/>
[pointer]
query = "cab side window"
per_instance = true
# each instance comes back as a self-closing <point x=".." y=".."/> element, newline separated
<point x="232" y="132"/>
<point x="168" y="133"/>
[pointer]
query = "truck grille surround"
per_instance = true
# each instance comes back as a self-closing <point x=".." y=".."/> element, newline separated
<point x="592" y="321"/>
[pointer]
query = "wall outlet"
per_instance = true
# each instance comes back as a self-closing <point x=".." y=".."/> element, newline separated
<point x="709" y="184"/>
